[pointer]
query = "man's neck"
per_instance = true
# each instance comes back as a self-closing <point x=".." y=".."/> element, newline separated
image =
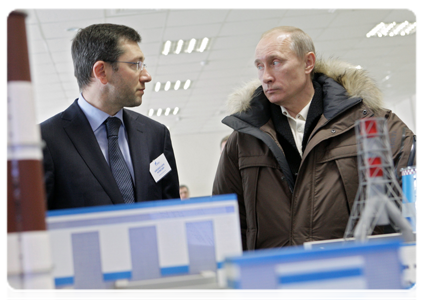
<point x="299" y="104"/>
<point x="96" y="100"/>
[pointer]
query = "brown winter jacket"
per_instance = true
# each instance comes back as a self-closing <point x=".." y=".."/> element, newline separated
<point x="275" y="212"/>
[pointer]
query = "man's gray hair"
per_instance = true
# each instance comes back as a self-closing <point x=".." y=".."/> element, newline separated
<point x="301" y="42"/>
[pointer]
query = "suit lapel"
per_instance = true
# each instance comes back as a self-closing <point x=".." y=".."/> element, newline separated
<point x="79" y="131"/>
<point x="139" y="149"/>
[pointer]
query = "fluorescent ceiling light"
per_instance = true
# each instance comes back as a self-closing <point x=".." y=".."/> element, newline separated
<point x="168" y="85"/>
<point x="166" y="47"/>
<point x="191" y="45"/>
<point x="187" y="84"/>
<point x="179" y="46"/>
<point x="392" y="29"/>
<point x="185" y="46"/>
<point x="203" y="45"/>
<point x="177" y="85"/>
<point x="160" y="111"/>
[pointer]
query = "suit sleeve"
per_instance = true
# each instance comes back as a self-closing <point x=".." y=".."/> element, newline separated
<point x="170" y="183"/>
<point x="48" y="176"/>
<point x="401" y="139"/>
<point x="228" y="180"/>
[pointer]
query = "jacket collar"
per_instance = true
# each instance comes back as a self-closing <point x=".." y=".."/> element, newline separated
<point x="339" y="80"/>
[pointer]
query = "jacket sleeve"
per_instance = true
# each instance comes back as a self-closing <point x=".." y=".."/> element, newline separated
<point x="170" y="181"/>
<point x="228" y="180"/>
<point x="48" y="166"/>
<point x="401" y="140"/>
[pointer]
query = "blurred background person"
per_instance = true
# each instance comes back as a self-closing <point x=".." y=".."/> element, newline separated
<point x="183" y="192"/>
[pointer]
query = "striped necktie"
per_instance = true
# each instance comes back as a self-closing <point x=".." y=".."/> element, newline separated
<point x="117" y="163"/>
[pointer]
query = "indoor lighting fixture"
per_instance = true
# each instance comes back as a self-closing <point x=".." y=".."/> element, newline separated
<point x="191" y="45"/>
<point x="177" y="85"/>
<point x="392" y="29"/>
<point x="187" y="84"/>
<point x="185" y="46"/>
<point x="166" y="47"/>
<point x="168" y="111"/>
<point x="179" y="46"/>
<point x="168" y="85"/>
<point x="203" y="45"/>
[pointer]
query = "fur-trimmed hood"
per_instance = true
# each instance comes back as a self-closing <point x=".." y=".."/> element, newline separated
<point x="356" y="82"/>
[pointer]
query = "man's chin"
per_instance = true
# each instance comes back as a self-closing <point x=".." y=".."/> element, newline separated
<point x="273" y="99"/>
<point x="134" y="104"/>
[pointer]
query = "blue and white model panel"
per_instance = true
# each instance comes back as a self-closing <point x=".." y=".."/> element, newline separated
<point x="93" y="247"/>
<point x="374" y="265"/>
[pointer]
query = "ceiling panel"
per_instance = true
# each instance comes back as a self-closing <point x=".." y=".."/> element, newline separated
<point x="240" y="41"/>
<point x="178" y="18"/>
<point x="140" y="22"/>
<point x="60" y="30"/>
<point x="362" y="16"/>
<point x="188" y="32"/>
<point x="254" y="26"/>
<point x="400" y="15"/>
<point x="305" y="22"/>
<point x="55" y="16"/>
<point x="254" y="14"/>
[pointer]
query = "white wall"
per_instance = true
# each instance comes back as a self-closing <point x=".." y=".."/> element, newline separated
<point x="197" y="156"/>
<point x="406" y="110"/>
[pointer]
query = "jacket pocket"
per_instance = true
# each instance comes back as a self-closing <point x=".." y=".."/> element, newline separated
<point x="257" y="161"/>
<point x="338" y="153"/>
<point x="345" y="159"/>
<point x="250" y="167"/>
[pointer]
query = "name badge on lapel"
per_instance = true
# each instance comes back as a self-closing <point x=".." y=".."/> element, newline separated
<point x="159" y="167"/>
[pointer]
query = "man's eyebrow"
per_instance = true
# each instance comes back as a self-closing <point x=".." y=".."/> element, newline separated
<point x="269" y="58"/>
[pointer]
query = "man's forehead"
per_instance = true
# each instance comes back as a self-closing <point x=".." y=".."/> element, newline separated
<point x="272" y="45"/>
<point x="132" y="49"/>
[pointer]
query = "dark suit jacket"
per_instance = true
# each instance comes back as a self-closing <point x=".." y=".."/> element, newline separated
<point x="77" y="174"/>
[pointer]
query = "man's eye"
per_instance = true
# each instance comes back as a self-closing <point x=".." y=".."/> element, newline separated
<point x="259" y="67"/>
<point x="275" y="63"/>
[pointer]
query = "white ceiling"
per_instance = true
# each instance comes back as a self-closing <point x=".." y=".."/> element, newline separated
<point x="228" y="63"/>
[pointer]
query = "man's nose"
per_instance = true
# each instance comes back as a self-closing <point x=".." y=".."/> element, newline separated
<point x="145" y="76"/>
<point x="267" y="76"/>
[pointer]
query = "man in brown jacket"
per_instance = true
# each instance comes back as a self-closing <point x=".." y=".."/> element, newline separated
<point x="292" y="158"/>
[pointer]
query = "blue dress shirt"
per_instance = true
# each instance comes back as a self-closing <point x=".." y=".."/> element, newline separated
<point x="96" y="119"/>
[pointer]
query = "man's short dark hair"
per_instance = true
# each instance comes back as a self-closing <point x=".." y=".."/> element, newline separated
<point x="98" y="42"/>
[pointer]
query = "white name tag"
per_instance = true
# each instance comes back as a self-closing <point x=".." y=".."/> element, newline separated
<point x="159" y="167"/>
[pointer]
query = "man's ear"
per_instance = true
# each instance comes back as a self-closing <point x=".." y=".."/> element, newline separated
<point x="100" y="72"/>
<point x="310" y="61"/>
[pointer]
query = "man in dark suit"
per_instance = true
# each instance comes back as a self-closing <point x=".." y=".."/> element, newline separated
<point x="80" y="168"/>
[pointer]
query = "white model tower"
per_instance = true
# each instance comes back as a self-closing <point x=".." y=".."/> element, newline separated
<point x="379" y="196"/>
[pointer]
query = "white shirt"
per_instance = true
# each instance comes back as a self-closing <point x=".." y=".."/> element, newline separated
<point x="96" y="119"/>
<point x="297" y="125"/>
